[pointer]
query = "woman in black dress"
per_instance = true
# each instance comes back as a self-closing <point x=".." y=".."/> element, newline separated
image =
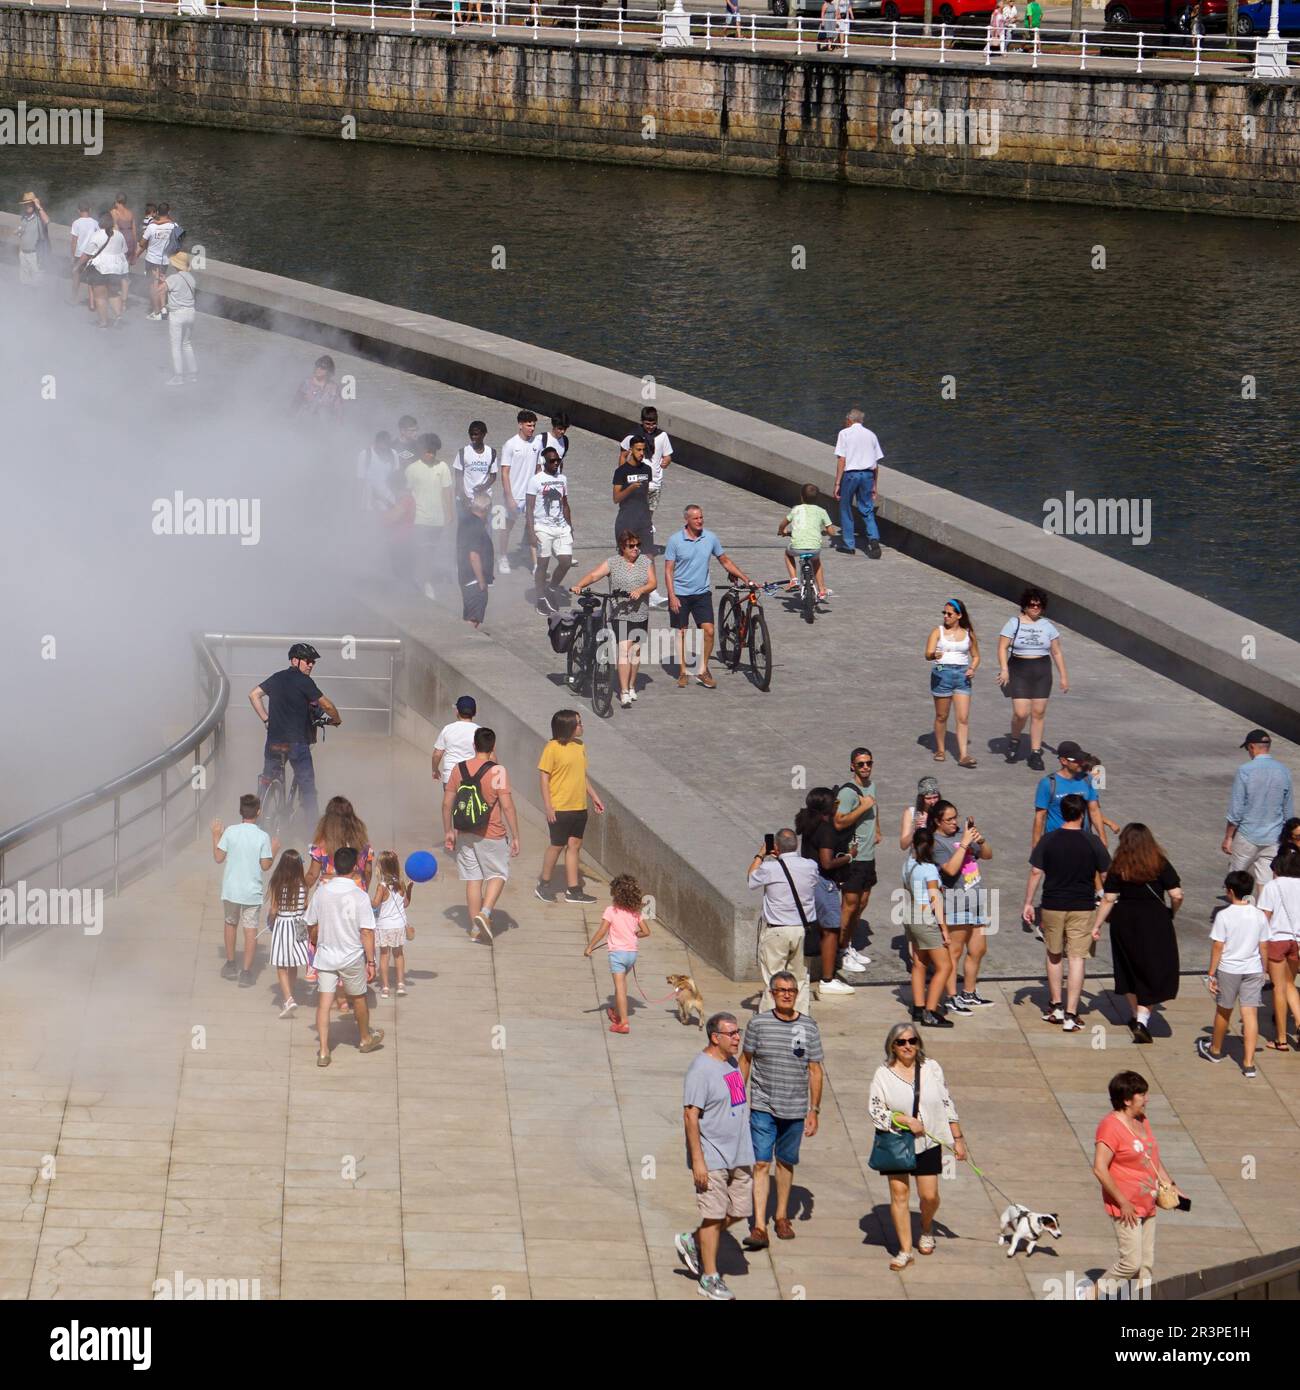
<point x="1142" y="941"/>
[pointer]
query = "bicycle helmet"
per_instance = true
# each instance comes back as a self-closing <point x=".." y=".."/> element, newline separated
<point x="303" y="651"/>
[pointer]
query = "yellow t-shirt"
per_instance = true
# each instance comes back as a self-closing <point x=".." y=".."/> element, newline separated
<point x="567" y="764"/>
<point x="428" y="484"/>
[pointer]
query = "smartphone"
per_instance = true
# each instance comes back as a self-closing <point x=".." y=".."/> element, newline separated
<point x="970" y="822"/>
<point x="769" y="843"/>
<point x="1184" y="1204"/>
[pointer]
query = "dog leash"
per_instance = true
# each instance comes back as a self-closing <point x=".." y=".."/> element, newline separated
<point x="645" y="999"/>
<point x="970" y="1162"/>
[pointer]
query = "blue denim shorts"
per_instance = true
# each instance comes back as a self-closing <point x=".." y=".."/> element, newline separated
<point x="621" y="962"/>
<point x="770" y="1134"/>
<point x="826" y="896"/>
<point x="949" y="680"/>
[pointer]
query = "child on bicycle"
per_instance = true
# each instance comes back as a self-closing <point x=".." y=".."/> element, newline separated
<point x="623" y="924"/>
<point x="390" y="899"/>
<point x="806" y="524"/>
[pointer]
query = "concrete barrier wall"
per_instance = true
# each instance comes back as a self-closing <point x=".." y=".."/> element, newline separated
<point x="1221" y="144"/>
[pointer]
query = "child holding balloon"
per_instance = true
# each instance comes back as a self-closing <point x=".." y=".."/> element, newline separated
<point x="390" y="899"/>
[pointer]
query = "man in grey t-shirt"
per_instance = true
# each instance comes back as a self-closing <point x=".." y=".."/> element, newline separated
<point x="782" y="1061"/>
<point x="719" y="1152"/>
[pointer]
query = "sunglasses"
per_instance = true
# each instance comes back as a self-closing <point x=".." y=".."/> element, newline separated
<point x="785" y="989"/>
<point x="904" y="1042"/>
<point x="866" y="763"/>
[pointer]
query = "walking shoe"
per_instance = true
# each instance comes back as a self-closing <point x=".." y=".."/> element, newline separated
<point x="1013" y="750"/>
<point x="711" y="1286"/>
<point x="245" y="979"/>
<point x="974" y="1000"/>
<point x="401" y="988"/>
<point x="1141" y="1033"/>
<point x="1203" y="1050"/>
<point x="873" y="550"/>
<point x="482" y="927"/>
<point x="625" y="699"/>
<point x="576" y="895"/>
<point x="175" y="381"/>
<point x="154" y="317"/>
<point x="844" y="549"/>
<point x="229" y="971"/>
<point x="929" y="1020"/>
<point x="854" y="954"/>
<point x="1071" y="1024"/>
<point x="836" y="987"/>
<point x="374" y="1042"/>
<point x="543" y="892"/>
<point x="289" y="1006"/>
<point x="383" y="993"/>
<point x="1249" y="1073"/>
<point x="917" y="1011"/>
<point x="683" y="681"/>
<point x="1054" y="1013"/>
<point x="1036" y="759"/>
<point x="619" y="1028"/>
<point x="546" y="605"/>
<point x="707" y="681"/>
<point x="956" y="1006"/>
<point x="631" y="694"/>
<point x="503" y="565"/>
<point x="685" y="1247"/>
<point x="850" y="963"/>
<point x="756" y="1240"/>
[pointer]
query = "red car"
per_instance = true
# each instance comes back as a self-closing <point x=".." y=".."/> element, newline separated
<point x="1168" y="15"/>
<point x="943" y="11"/>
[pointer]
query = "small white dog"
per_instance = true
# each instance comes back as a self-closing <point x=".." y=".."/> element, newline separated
<point x="1022" y="1226"/>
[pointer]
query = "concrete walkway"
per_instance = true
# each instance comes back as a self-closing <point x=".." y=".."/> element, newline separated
<point x="503" y="1143"/>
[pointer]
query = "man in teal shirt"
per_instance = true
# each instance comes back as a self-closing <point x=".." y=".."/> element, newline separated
<point x="806" y="524"/>
<point x="856" y="815"/>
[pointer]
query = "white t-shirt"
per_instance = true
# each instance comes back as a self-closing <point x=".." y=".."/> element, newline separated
<point x="663" y="450"/>
<point x="1030" y="639"/>
<point x="520" y="456"/>
<point x="548" y="493"/>
<point x="374" y="469"/>
<point x="108" y="253"/>
<point x="157" y="237"/>
<point x="475" y="468"/>
<point x="1241" y="928"/>
<point x="546" y="440"/>
<point x="342" y="910"/>
<point x="858" y="447"/>
<point x="427" y="481"/>
<point x="457" y="743"/>
<point x="1281" y="897"/>
<point x="83" y="229"/>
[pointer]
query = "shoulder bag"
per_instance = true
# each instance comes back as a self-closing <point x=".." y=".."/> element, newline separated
<point x="894" y="1151"/>
<point x="812" y="937"/>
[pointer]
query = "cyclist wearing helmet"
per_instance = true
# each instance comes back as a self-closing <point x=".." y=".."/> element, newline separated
<point x="296" y="705"/>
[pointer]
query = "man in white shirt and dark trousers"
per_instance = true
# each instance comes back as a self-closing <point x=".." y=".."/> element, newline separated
<point x="789" y="882"/>
<point x="519" y="455"/>
<point x="857" y="460"/>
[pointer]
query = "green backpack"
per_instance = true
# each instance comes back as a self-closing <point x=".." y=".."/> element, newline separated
<point x="469" y="811"/>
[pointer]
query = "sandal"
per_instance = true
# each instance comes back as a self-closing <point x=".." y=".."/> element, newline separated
<point x="967" y="761"/>
<point x="925" y="1246"/>
<point x="784" y="1229"/>
<point x="1274" y="1046"/>
<point x="901" y="1261"/>
<point x="941" y="757"/>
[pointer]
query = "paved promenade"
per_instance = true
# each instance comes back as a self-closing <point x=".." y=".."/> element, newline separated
<point x="503" y="1143"/>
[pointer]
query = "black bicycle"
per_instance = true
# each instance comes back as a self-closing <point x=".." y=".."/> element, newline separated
<point x="592" y="663"/>
<point x="282" y="798"/>
<point x="807" y="582"/>
<point x="743" y="628"/>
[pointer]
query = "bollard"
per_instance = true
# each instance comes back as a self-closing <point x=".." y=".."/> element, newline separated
<point x="372" y="14"/>
<point x="708" y="37"/>
<point x="1037" y="44"/>
<point x="1140" y="37"/>
<point x="332" y="5"/>
<point x="943" y="40"/>
<point x="1196" y="69"/>
<point x="1083" y="51"/>
<point x="893" y="42"/>
<point x="620" y="26"/>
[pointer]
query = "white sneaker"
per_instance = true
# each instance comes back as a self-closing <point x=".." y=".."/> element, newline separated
<point x="836" y="987"/>
<point x="854" y="954"/>
<point x="631" y="694"/>
<point x="175" y="381"/>
<point x="153" y="318"/>
<point x="428" y="592"/>
<point x="850" y="963"/>
<point x="657" y="600"/>
<point x="504" y="566"/>
<point x="624" y="699"/>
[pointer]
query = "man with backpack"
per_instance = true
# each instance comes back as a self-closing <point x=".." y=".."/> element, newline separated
<point x="481" y="829"/>
<point x="1070" y="780"/>
<point x="857" y="830"/>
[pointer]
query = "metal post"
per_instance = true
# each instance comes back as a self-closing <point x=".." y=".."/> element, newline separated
<point x="620" y="26"/>
<point x="1196" y="70"/>
<point x="1038" y="41"/>
<point x="577" y="23"/>
<point x="392" y="690"/>
<point x="753" y="33"/>
<point x="453" y="20"/>
<point x="1140" y="38"/>
<point x="537" y="19"/>
<point x="198" y="795"/>
<point x="372" y="14"/>
<point x="412" y="16"/>
<point x="332" y="12"/>
<point x="943" y="42"/>
<point x="254" y="11"/>
<point x="708" y="36"/>
<point x="988" y="53"/>
<point x="162" y="778"/>
<point x="893" y="42"/>
<point x="1083" y="51"/>
<point x="493" y="4"/>
<point x="798" y="33"/>
<point x="117" y="840"/>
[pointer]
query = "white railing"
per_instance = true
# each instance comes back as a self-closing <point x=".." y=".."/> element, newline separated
<point x="1093" y="48"/>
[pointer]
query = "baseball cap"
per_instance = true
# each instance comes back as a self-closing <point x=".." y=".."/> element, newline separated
<point x="466" y="705"/>
<point x="1256" y="736"/>
<point x="1067" y="748"/>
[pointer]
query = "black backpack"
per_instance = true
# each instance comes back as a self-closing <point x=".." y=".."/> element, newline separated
<point x="844" y="838"/>
<point x="469" y="811"/>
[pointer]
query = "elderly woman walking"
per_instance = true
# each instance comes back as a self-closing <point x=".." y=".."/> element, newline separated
<point x="914" y="1117"/>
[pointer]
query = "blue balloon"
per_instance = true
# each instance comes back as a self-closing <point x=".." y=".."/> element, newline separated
<point x="421" y="866"/>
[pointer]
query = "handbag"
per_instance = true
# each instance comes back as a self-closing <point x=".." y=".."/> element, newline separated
<point x="812" y="937"/>
<point x="892" y="1150"/>
<point x="410" y="932"/>
<point x="1166" y="1195"/>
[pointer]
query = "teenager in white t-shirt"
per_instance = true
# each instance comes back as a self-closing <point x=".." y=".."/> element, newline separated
<point x="82" y="229"/>
<point x="518" y="463"/>
<point x="557" y="437"/>
<point x="156" y="240"/>
<point x="550" y="525"/>
<point x="475" y="465"/>
<point x="376" y="464"/>
<point x="455" y="741"/>
<point x="1239" y="953"/>
<point x="1279" y="901"/>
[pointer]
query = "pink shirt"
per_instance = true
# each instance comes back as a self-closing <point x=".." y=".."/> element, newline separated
<point x="1133" y="1170"/>
<point x="622" y="928"/>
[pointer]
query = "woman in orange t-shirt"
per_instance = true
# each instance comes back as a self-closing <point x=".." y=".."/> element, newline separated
<point x="1127" y="1164"/>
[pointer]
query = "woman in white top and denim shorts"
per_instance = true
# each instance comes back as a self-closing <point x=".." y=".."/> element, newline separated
<point x="956" y="656"/>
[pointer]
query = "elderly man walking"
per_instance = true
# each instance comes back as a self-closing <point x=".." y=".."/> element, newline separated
<point x="782" y="1061"/>
<point x="719" y="1151"/>
<point x="1262" y="799"/>
<point x="857" y="470"/>
<point x="789" y="884"/>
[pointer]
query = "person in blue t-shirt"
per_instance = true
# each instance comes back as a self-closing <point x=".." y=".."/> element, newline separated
<point x="1072" y="779"/>
<point x="686" y="577"/>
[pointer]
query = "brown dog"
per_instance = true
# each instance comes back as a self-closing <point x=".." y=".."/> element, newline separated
<point x="689" y="999"/>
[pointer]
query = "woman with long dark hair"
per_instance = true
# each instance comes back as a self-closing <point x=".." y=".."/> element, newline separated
<point x="1143" y="945"/>
<point x="917" y="815"/>
<point x="816" y="831"/>
<point x="955" y="652"/>
<point x="927" y="932"/>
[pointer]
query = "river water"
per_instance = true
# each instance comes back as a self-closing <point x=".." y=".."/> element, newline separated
<point x="992" y="352"/>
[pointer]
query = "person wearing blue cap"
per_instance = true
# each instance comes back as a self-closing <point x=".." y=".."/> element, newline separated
<point x="455" y="742"/>
<point x="955" y="652"/>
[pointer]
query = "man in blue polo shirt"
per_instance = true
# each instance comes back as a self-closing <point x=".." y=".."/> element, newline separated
<point x="686" y="577"/>
<point x="1071" y="780"/>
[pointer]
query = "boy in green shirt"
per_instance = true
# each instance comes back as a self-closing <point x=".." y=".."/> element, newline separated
<point x="1033" y="15"/>
<point x="806" y="524"/>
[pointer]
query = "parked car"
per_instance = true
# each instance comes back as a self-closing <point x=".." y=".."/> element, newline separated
<point x="943" y="11"/>
<point x="1171" y="16"/>
<point x="1255" y="19"/>
<point x="812" y="9"/>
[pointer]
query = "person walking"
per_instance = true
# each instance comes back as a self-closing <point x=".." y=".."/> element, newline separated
<point x="455" y="741"/>
<point x="789" y="885"/>
<point x="857" y="467"/>
<point x="927" y="933"/>
<point x="659" y="455"/>
<point x="429" y="480"/>
<point x="815" y="825"/>
<point x="475" y="567"/>
<point x="481" y="829"/>
<point x="781" y="1060"/>
<point x="955" y="652"/>
<point x="548" y="526"/>
<point x="84" y="226"/>
<point x="1279" y="901"/>
<point x="474" y="467"/>
<point x="1067" y="863"/>
<point x="1127" y="1164"/>
<point x="1143" y="944"/>
<point x="1239" y="969"/>
<point x="857" y="823"/>
<point x="340" y="912"/>
<point x="719" y="1151"/>
<point x="622" y="927"/>
<point x="156" y="243"/>
<point x="518" y="463"/>
<point x="390" y="901"/>
<point x="33" y="235"/>
<point x="917" y="816"/>
<point x="319" y="398"/>
<point x="631" y="572"/>
<point x="180" y="296"/>
<point x="1027" y="646"/>
<point x="1070" y="780"/>
<point x="286" y="895"/>
<point x="340" y="826"/>
<point x="104" y="269"/>
<point x="247" y="852"/>
<point x="566" y="790"/>
<point x="908" y="1092"/>
<point x="1262" y="799"/>
<point x="957" y="855"/>
<point x="686" y="577"/>
<point x="630" y="490"/>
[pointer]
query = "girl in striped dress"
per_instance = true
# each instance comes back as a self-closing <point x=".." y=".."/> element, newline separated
<point x="390" y="899"/>
<point x="287" y="898"/>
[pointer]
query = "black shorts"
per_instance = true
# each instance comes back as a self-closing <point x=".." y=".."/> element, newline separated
<point x="473" y="602"/>
<point x="929" y="1164"/>
<point x="858" y="876"/>
<point x="625" y="629"/>
<point x="697" y="606"/>
<point x="1030" y="677"/>
<point x="567" y="825"/>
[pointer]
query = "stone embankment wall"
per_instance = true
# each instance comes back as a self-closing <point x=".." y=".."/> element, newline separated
<point x="1211" y="144"/>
